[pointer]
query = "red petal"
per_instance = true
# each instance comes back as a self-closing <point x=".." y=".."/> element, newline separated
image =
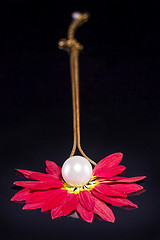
<point x="114" y="200"/>
<point x="120" y="202"/>
<point x="131" y="180"/>
<point x="110" y="179"/>
<point x="56" y="212"/>
<point x="53" y="168"/>
<point x="127" y="188"/>
<point x="55" y="201"/>
<point x="120" y="179"/>
<point x="70" y="203"/>
<point x="28" y="184"/>
<point x="86" y="199"/>
<point x="42" y="176"/>
<point x="42" y="185"/>
<point x="108" y="190"/>
<point x="112" y="160"/>
<point x="32" y="206"/>
<point x="40" y="196"/>
<point x="84" y="213"/>
<point x="36" y="175"/>
<point x="21" y="195"/>
<point x="47" y="185"/>
<point x="26" y="173"/>
<point x="100" y="196"/>
<point x="103" y="211"/>
<point x="109" y="172"/>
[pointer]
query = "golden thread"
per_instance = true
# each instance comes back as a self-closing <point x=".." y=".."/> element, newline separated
<point x="73" y="48"/>
<point x="77" y="23"/>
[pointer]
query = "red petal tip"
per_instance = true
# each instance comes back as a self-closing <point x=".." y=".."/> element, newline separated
<point x="133" y="205"/>
<point x="112" y="221"/>
<point x="20" y="170"/>
<point x="144" y="177"/>
<point x="12" y="199"/>
<point x="141" y="178"/>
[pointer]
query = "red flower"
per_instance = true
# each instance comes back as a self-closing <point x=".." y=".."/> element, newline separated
<point x="105" y="188"/>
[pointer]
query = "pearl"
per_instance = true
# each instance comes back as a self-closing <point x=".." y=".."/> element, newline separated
<point x="77" y="171"/>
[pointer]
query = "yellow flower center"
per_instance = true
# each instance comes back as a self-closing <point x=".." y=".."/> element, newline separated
<point x="76" y="189"/>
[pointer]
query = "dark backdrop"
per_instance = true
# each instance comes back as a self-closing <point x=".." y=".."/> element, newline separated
<point x="119" y="98"/>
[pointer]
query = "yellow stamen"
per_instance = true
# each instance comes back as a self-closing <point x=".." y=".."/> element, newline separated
<point x="76" y="189"/>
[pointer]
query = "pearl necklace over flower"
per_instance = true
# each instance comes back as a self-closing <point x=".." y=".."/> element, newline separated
<point x="76" y="188"/>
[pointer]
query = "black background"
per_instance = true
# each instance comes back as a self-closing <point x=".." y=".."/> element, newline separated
<point x="119" y="99"/>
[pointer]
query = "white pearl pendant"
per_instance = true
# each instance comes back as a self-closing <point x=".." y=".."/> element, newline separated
<point x="77" y="171"/>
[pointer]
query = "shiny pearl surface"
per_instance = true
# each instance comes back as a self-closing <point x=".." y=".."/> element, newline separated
<point x="77" y="171"/>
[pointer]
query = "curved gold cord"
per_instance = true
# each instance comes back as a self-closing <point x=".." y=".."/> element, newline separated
<point x="73" y="48"/>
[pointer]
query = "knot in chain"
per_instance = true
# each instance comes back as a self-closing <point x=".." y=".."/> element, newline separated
<point x="69" y="44"/>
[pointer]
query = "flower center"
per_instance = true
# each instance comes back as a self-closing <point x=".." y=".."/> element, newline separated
<point x="76" y="189"/>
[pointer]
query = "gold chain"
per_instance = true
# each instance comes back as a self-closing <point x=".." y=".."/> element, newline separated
<point x="73" y="48"/>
